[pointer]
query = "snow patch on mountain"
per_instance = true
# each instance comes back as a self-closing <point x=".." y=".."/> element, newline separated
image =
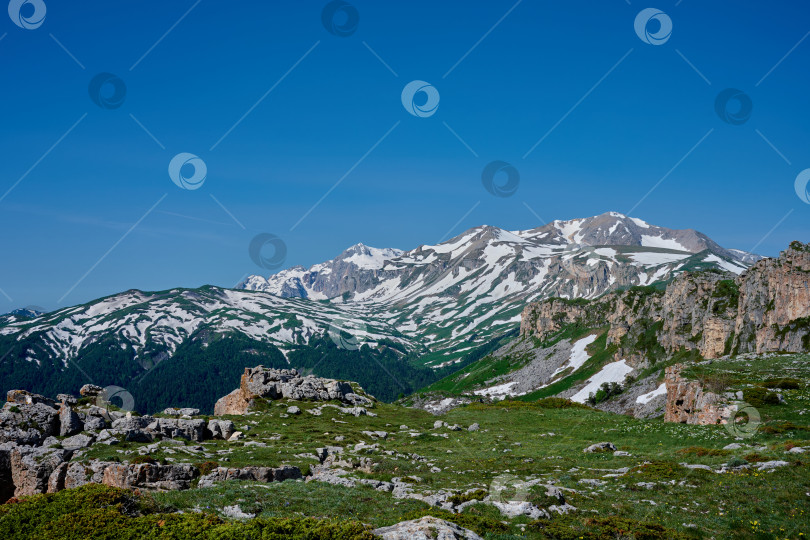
<point x="613" y="372"/>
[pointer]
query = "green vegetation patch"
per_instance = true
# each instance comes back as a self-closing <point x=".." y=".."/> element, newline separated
<point x="97" y="511"/>
<point x="602" y="528"/>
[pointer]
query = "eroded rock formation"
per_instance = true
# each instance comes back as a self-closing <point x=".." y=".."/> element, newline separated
<point x="765" y="309"/>
<point x="689" y="403"/>
<point x="267" y="383"/>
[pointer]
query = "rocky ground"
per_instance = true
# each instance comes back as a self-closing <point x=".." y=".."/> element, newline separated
<point x="303" y="447"/>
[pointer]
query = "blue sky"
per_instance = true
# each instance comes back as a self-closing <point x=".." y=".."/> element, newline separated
<point x="616" y="115"/>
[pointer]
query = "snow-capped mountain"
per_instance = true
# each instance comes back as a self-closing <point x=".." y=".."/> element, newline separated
<point x="438" y="302"/>
<point x="456" y="294"/>
<point x="153" y="325"/>
<point x="323" y="281"/>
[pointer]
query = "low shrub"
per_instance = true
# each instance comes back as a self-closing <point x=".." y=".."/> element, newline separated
<point x="783" y="383"/>
<point x="782" y="427"/>
<point x="657" y="471"/>
<point x="98" y="511"/>
<point x="736" y="462"/>
<point x="758" y="396"/>
<point x="476" y="495"/>
<point x="754" y="457"/>
<point x="601" y="528"/>
<point x="206" y="466"/>
<point x="700" y="451"/>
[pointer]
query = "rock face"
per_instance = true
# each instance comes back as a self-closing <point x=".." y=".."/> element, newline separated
<point x="765" y="309"/>
<point x="427" y="528"/>
<point x="28" y="422"/>
<point x="267" y="383"/>
<point x="150" y="476"/>
<point x="256" y="474"/>
<point x="69" y="421"/>
<point x="31" y="468"/>
<point x="688" y="403"/>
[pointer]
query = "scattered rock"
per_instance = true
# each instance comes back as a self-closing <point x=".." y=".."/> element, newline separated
<point x="426" y="528"/>
<point x="185" y="411"/>
<point x="69" y="421"/>
<point x="78" y="441"/>
<point x="67" y="399"/>
<point x="767" y="465"/>
<point x="474" y="427"/>
<point x="293" y="410"/>
<point x="600" y="447"/>
<point x="255" y="474"/>
<point x="236" y="512"/>
<point x="149" y="476"/>
<point x="90" y="390"/>
<point x="221" y="429"/>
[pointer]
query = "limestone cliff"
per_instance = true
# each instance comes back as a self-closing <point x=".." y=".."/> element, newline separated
<point x="765" y="309"/>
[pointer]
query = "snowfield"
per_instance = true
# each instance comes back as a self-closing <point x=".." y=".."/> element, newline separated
<point x="613" y="372"/>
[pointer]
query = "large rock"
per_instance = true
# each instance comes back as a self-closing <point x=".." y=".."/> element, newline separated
<point x="193" y="430"/>
<point x="28" y="423"/>
<point x="149" y="476"/>
<point x="183" y="411"/>
<point x="31" y="468"/>
<point x="426" y="528"/>
<point x="221" y="429"/>
<point x="268" y="383"/>
<point x="69" y="421"/>
<point x="90" y="390"/>
<point x="688" y="403"/>
<point x="133" y="428"/>
<point x="24" y="397"/>
<point x="256" y="474"/>
<point x="234" y="403"/>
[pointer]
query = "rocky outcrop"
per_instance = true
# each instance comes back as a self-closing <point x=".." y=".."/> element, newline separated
<point x="689" y="403"/>
<point x="765" y="309"/>
<point x="267" y="383"/>
<point x="426" y="528"/>
<point x="255" y="474"/>
<point x="149" y="476"/>
<point x="27" y="419"/>
<point x="69" y="422"/>
<point x="38" y="438"/>
<point x="31" y="468"/>
<point x="221" y="429"/>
